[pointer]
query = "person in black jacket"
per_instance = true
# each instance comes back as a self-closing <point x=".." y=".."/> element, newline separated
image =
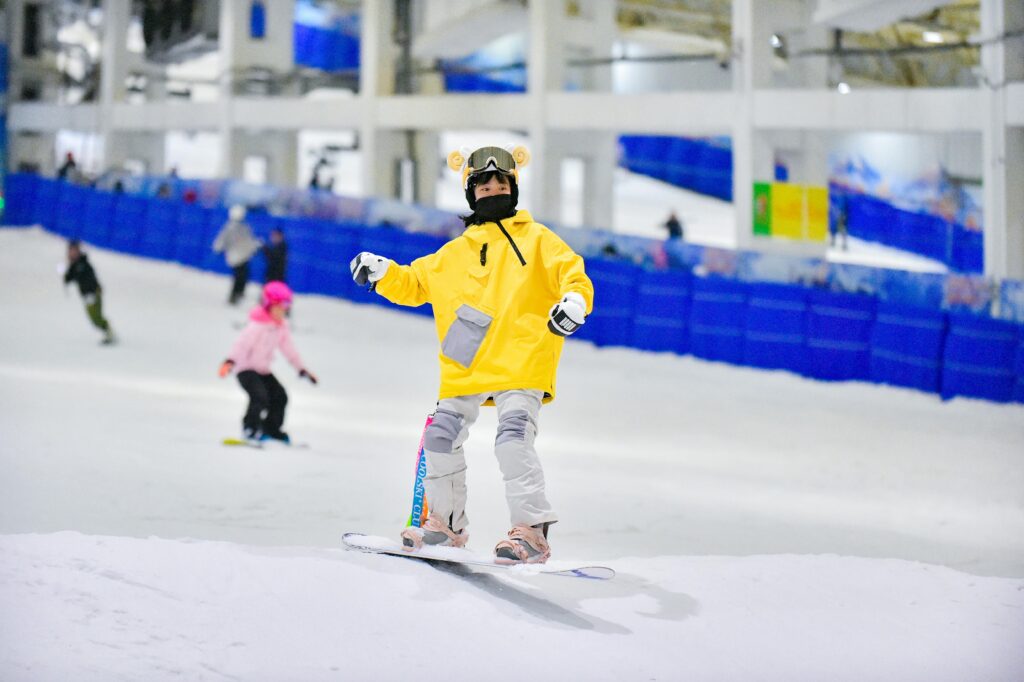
<point x="276" y="253"/>
<point x="81" y="272"/>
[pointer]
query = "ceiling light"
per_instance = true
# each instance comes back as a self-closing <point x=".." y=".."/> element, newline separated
<point x="843" y="88"/>
<point x="932" y="37"/>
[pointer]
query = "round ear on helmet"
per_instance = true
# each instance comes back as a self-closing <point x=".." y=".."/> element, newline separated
<point x="456" y="160"/>
<point x="520" y="155"/>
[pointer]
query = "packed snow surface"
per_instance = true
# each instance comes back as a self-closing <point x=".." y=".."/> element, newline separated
<point x="763" y="526"/>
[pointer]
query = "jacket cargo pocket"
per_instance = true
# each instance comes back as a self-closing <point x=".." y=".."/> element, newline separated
<point x="465" y="335"/>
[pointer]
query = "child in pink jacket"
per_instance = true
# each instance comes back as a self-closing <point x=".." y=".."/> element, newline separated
<point x="250" y="357"/>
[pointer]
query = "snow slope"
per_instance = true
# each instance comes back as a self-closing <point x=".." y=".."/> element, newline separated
<point x="764" y="526"/>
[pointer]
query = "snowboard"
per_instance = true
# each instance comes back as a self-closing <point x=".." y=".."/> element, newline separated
<point x="264" y="445"/>
<point x="458" y="555"/>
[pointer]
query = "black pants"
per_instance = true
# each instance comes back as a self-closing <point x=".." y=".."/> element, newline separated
<point x="238" y="285"/>
<point x="267" y="400"/>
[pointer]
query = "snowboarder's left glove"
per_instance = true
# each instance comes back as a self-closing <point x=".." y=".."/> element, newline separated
<point x="306" y="374"/>
<point x="567" y="315"/>
<point x="225" y="368"/>
<point x="368" y="268"/>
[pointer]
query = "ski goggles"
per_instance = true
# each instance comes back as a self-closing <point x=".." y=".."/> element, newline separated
<point x="488" y="159"/>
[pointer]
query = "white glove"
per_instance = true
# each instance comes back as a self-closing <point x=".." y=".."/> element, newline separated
<point x="567" y="315"/>
<point x="368" y="268"/>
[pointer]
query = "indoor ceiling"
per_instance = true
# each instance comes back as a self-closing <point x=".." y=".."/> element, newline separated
<point x="930" y="49"/>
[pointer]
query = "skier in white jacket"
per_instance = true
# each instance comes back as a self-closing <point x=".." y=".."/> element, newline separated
<point x="237" y="243"/>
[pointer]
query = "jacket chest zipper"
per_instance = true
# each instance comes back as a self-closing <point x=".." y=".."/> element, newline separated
<point x="522" y="261"/>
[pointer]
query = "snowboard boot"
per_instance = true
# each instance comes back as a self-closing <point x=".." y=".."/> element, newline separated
<point x="252" y="436"/>
<point x="108" y="338"/>
<point x="280" y="438"/>
<point x="525" y="545"/>
<point x="433" y="533"/>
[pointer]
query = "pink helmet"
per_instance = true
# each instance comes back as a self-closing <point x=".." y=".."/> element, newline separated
<point x="275" y="293"/>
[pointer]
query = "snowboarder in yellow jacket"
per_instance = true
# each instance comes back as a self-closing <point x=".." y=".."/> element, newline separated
<point x="505" y="295"/>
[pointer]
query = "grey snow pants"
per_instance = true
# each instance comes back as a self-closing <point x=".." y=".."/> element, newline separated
<point x="445" y="483"/>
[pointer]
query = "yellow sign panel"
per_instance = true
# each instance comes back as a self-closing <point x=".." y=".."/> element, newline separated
<point x="787" y="210"/>
<point x="817" y="213"/>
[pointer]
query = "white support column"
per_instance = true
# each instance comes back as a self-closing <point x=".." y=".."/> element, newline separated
<point x="743" y="125"/>
<point x="1003" y="172"/>
<point x="238" y="50"/>
<point x="376" y="79"/>
<point x="226" y="37"/>
<point x="279" y="148"/>
<point x="544" y="74"/>
<point x="600" y="156"/>
<point x="114" y="70"/>
<point x="429" y="163"/>
<point x="147" y="147"/>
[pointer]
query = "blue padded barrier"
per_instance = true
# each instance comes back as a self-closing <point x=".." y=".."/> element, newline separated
<point x="190" y="246"/>
<point x="775" y="330"/>
<point x="694" y="164"/>
<point x="44" y="212"/>
<point x="839" y="335"/>
<point x="129" y="214"/>
<point x="69" y="219"/>
<point x="662" y="315"/>
<point x="979" y="358"/>
<point x="336" y="244"/>
<point x="1018" y="392"/>
<point x="299" y="235"/>
<point x="98" y="218"/>
<point x="906" y="346"/>
<point x="717" y="318"/>
<point x="968" y="250"/>
<point x="615" y="287"/>
<point x="19" y="198"/>
<point x="160" y="236"/>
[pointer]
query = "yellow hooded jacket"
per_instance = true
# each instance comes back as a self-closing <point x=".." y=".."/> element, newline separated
<point x="491" y="309"/>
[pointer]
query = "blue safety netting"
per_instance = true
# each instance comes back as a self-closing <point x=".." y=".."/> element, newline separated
<point x="615" y="284"/>
<point x="906" y="346"/>
<point x="775" y="327"/>
<point x="718" y="319"/>
<point x="980" y="358"/>
<point x="699" y="165"/>
<point x="324" y="39"/>
<point x="928" y="235"/>
<point x="662" y="318"/>
<point x="839" y="335"/>
<point x="809" y="330"/>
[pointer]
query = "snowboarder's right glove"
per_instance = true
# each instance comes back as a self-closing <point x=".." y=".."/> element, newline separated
<point x="567" y="315"/>
<point x="225" y="368"/>
<point x="368" y="268"/>
<point x="306" y="374"/>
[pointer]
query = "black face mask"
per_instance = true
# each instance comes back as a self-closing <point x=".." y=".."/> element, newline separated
<point x="495" y="207"/>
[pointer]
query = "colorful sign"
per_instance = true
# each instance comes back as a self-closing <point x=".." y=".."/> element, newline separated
<point x="797" y="212"/>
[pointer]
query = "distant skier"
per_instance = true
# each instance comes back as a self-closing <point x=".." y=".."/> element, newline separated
<point x="251" y="356"/>
<point x="236" y="242"/>
<point x="505" y="295"/>
<point x="276" y="254"/>
<point x="81" y="272"/>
